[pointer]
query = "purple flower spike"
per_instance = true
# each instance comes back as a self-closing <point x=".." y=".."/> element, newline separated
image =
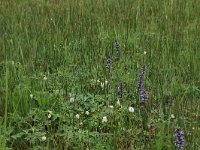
<point x="120" y="91"/>
<point x="180" y="138"/>
<point x="143" y="69"/>
<point x="109" y="62"/>
<point x="116" y="46"/>
<point x="141" y="92"/>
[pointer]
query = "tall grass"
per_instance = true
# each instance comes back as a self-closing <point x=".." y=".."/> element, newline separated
<point x="69" y="42"/>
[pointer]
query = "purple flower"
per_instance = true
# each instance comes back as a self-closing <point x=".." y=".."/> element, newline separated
<point x="140" y="82"/>
<point x="180" y="138"/>
<point x="109" y="62"/>
<point x="120" y="91"/>
<point x="143" y="69"/>
<point x="141" y="91"/>
<point x="116" y="46"/>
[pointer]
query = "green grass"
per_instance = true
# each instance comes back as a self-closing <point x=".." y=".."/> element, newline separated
<point x="69" y="42"/>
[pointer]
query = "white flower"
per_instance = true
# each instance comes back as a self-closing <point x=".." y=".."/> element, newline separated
<point x="44" y="138"/>
<point x="106" y="82"/>
<point x="131" y="109"/>
<point x="98" y="81"/>
<point x="111" y="106"/>
<point x="102" y="85"/>
<point x="145" y="52"/>
<point x="104" y="119"/>
<point x="49" y="116"/>
<point x="31" y="96"/>
<point x="71" y="100"/>
<point x="81" y="123"/>
<point x="87" y="112"/>
<point x="77" y="116"/>
<point x="172" y="116"/>
<point x="45" y="78"/>
<point x="49" y="111"/>
<point x="118" y="102"/>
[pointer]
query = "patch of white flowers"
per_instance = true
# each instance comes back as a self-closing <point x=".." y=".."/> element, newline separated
<point x="44" y="138"/>
<point x="172" y="116"/>
<point x="111" y="106"/>
<point x="77" y="116"/>
<point x="45" y="78"/>
<point x="31" y="96"/>
<point x="131" y="109"/>
<point x="49" y="114"/>
<point x="104" y="119"/>
<point x="87" y="113"/>
<point x="71" y="100"/>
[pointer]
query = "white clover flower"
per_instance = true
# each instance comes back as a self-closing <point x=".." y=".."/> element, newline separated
<point x="145" y="52"/>
<point x="118" y="102"/>
<point x="49" y="116"/>
<point x="102" y="85"/>
<point x="45" y="78"/>
<point x="104" y="119"/>
<point x="31" y="96"/>
<point x="111" y="106"/>
<point x="77" y="116"/>
<point x="172" y="116"/>
<point x="71" y="100"/>
<point x="106" y="82"/>
<point x="49" y="111"/>
<point x="87" y="113"/>
<point x="44" y="138"/>
<point x="131" y="109"/>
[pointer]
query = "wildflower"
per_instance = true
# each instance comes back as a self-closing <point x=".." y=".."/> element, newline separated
<point x="45" y="78"/>
<point x="111" y="106"/>
<point x="141" y="91"/>
<point x="102" y="85"/>
<point x="120" y="91"/>
<point x="104" y="119"/>
<point x="87" y="113"/>
<point x="140" y="82"/>
<point x="116" y="46"/>
<point x="143" y="96"/>
<point x="172" y="116"/>
<point x="179" y="138"/>
<point x="131" y="109"/>
<point x="106" y="82"/>
<point x="31" y="96"/>
<point x="49" y="116"/>
<point x="145" y="52"/>
<point x="98" y="81"/>
<point x="77" y="116"/>
<point x="49" y="111"/>
<point x="109" y="62"/>
<point x="71" y="100"/>
<point x="118" y="102"/>
<point x="143" y="69"/>
<point x="44" y="138"/>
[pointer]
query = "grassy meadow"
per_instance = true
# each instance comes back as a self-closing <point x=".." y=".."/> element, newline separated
<point x="100" y="74"/>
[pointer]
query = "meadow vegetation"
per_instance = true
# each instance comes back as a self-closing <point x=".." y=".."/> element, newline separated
<point x="100" y="74"/>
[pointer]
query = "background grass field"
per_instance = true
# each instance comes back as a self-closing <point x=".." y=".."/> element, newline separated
<point x="54" y="51"/>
